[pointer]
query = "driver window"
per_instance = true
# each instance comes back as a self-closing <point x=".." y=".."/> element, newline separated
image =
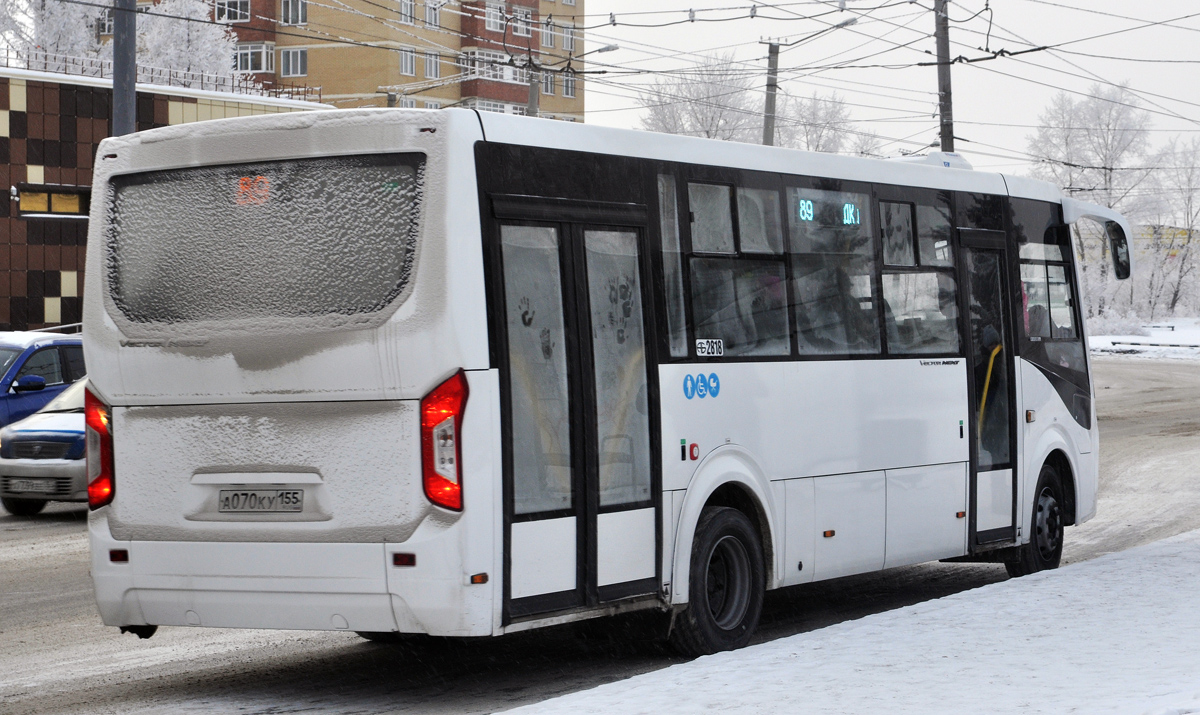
<point x="45" y="364"/>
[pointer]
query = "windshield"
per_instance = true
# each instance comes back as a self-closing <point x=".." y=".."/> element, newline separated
<point x="265" y="241"/>
<point x="7" y="355"/>
<point x="69" y="400"/>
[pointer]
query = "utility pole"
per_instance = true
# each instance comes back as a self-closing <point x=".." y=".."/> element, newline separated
<point x="772" y="87"/>
<point x="942" y="33"/>
<point x="535" y="90"/>
<point x="124" y="110"/>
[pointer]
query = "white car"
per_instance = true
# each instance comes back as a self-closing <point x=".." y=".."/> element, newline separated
<point x="42" y="456"/>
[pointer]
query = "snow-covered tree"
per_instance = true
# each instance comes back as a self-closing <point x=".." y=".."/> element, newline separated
<point x="814" y="123"/>
<point x="1096" y="149"/>
<point x="166" y="40"/>
<point x="712" y="99"/>
<point x="47" y="32"/>
<point x="54" y="35"/>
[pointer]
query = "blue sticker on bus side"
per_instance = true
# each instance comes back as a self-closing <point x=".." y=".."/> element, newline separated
<point x="701" y="385"/>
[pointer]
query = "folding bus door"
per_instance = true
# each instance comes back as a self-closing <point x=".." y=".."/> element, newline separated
<point x="984" y="270"/>
<point x="581" y="515"/>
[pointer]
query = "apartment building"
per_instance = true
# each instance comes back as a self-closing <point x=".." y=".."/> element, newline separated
<point x="418" y="53"/>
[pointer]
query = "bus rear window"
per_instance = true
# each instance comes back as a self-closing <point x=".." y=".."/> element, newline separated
<point x="272" y="240"/>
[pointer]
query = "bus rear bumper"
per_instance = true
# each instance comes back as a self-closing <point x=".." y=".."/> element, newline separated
<point x="293" y="586"/>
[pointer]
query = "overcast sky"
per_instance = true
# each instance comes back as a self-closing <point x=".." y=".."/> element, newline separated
<point x="996" y="103"/>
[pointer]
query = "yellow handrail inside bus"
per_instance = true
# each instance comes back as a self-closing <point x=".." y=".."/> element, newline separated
<point x="987" y="383"/>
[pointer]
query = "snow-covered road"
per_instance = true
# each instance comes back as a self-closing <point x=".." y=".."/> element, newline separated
<point x="1117" y="634"/>
<point x="56" y="657"/>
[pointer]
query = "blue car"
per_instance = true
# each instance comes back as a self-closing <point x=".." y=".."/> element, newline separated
<point x="42" y="457"/>
<point x="34" y="368"/>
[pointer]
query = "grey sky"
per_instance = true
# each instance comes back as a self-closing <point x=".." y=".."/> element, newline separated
<point x="991" y="99"/>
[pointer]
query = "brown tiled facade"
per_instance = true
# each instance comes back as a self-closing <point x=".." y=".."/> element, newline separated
<point x="49" y="134"/>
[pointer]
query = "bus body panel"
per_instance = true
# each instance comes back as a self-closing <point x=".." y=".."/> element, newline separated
<point x="815" y="418"/>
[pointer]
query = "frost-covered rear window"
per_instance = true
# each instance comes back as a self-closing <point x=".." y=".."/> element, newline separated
<point x="266" y="241"/>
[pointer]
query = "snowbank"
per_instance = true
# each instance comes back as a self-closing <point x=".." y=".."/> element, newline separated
<point x="1117" y="634"/>
<point x="1174" y="338"/>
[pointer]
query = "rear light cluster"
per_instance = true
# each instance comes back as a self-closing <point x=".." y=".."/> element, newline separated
<point x="101" y="484"/>
<point x="441" y="454"/>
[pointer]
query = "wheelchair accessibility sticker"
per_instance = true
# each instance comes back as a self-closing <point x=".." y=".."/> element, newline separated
<point x="701" y="385"/>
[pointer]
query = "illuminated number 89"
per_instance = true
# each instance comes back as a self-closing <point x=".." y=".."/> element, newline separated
<point x="806" y="210"/>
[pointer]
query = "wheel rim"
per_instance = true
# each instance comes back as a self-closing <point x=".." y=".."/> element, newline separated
<point x="728" y="582"/>
<point x="1049" y="526"/>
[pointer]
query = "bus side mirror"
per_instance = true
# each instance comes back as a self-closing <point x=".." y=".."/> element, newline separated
<point x="1120" y="249"/>
<point x="29" y="383"/>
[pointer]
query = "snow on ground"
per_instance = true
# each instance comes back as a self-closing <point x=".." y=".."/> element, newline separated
<point x="1177" y="338"/>
<point x="1117" y="634"/>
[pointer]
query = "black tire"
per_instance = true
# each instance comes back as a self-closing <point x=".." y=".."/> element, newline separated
<point x="1044" y="550"/>
<point x="380" y="636"/>
<point x="23" y="507"/>
<point x="725" y="595"/>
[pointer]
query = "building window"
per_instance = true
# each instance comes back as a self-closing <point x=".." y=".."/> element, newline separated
<point x="433" y="13"/>
<point x="406" y="103"/>
<point x="433" y="65"/>
<point x="522" y="21"/>
<point x="487" y="64"/>
<point x="569" y="86"/>
<point x="433" y="105"/>
<point x="408" y="12"/>
<point x="484" y="105"/>
<point x="408" y="62"/>
<point x="493" y="19"/>
<point x="294" y="12"/>
<point x="293" y="63"/>
<point x="255" y="57"/>
<point x="568" y="2"/>
<point x="547" y="83"/>
<point x="104" y="24"/>
<point x="548" y="33"/>
<point x="569" y="39"/>
<point x="232" y="11"/>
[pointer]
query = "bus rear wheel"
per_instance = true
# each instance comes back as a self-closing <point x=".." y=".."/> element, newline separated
<point x="1044" y="550"/>
<point x="725" y="595"/>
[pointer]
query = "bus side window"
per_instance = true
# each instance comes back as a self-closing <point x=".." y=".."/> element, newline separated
<point x="833" y="265"/>
<point x="672" y="255"/>
<point x="920" y="296"/>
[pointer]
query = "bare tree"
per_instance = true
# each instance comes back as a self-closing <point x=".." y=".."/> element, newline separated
<point x="814" y="123"/>
<point x="1095" y="148"/>
<point x="712" y="99"/>
<point x="1181" y="182"/>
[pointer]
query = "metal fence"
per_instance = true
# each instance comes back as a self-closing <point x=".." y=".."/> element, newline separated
<point x="234" y="83"/>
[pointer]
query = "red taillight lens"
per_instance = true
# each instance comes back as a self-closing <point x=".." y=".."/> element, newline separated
<point x="101" y="480"/>
<point x="441" y="453"/>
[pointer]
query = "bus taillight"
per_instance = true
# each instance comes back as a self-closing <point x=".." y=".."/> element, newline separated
<point x="441" y="454"/>
<point x="101" y="480"/>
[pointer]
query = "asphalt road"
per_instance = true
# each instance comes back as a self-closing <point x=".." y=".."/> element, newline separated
<point x="55" y="656"/>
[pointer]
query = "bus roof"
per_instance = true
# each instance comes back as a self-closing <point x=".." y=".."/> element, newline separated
<point x="514" y="129"/>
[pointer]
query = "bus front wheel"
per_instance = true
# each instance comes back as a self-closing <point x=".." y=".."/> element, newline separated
<point x="1044" y="550"/>
<point x="725" y="595"/>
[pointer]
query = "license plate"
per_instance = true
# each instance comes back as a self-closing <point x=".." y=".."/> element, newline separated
<point x="41" y="486"/>
<point x="260" y="500"/>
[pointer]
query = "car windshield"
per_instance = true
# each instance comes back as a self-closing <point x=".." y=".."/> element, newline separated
<point x="69" y="400"/>
<point x="7" y="355"/>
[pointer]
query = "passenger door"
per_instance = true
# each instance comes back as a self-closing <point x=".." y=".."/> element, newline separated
<point x="581" y="510"/>
<point x="983" y="265"/>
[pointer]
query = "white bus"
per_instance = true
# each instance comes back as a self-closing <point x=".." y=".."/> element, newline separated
<point x="466" y="374"/>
